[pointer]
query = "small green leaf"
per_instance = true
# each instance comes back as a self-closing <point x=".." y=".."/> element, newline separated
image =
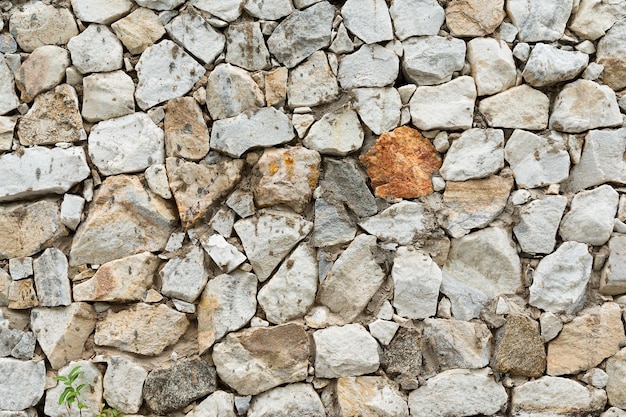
<point x="61" y="378"/>
<point x="81" y="405"/>
<point x="80" y="387"/>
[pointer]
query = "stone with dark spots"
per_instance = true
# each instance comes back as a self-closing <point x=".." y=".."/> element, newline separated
<point x="403" y="356"/>
<point x="344" y="182"/>
<point x="519" y="349"/>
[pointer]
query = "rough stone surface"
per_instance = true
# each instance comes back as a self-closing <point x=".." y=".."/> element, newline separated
<point x="539" y="222"/>
<point x="379" y="108"/>
<point x="539" y="20"/>
<point x="368" y="20"/>
<point x="403" y="355"/>
<point x="231" y="91"/>
<point x="616" y="370"/>
<point x="401" y="164"/>
<point x="227" y="10"/>
<point x="186" y="133"/>
<point x="613" y="280"/>
<point x="43" y="70"/>
<point x="8" y="98"/>
<point x="312" y="83"/>
<point x="39" y="24"/>
<point x="268" y="10"/>
<point x="22" y="383"/>
<point x="143" y="329"/>
<point x="332" y="224"/>
<point x="474" y="17"/>
<point x="369" y="66"/>
<point x="139" y="30"/>
<point x="404" y="223"/>
<point x="106" y="57"/>
<point x="51" y="280"/>
<point x="478" y="153"/>
<point x="611" y="54"/>
<point x="492" y="65"/>
<point x="225" y="255"/>
<point x="107" y="96"/>
<point x="193" y="33"/>
<point x="548" y="65"/>
<point x="261" y="358"/>
<point x="416" y="18"/>
<point x="560" y="279"/>
<point x="218" y="404"/>
<point x="290" y="400"/>
<point x="344" y="182"/>
<point x="382" y="398"/>
<point x="184" y="277"/>
<point x="337" y="133"/>
<point x="344" y="351"/>
<point x="519" y="349"/>
<point x="430" y="60"/>
<point x="520" y="107"/>
<point x="123" y="384"/>
<point x="101" y="11"/>
<point x="245" y="46"/>
<point x="416" y="281"/>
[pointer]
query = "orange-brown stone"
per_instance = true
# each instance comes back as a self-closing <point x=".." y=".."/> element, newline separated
<point x="401" y="163"/>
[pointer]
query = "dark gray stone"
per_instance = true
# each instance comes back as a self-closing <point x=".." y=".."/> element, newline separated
<point x="332" y="224"/>
<point x="403" y="356"/>
<point x="344" y="182"/>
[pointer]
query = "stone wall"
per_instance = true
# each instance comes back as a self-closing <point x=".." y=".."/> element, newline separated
<point x="310" y="208"/>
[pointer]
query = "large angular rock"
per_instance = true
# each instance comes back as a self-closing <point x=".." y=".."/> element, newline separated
<point x="344" y="182"/>
<point x="416" y="281"/>
<point x="90" y="396"/>
<point x="109" y="150"/>
<point x="555" y="396"/>
<point x="108" y="56"/>
<point x="537" y="161"/>
<point x="286" y="176"/>
<point x="369" y="396"/>
<point x="416" y="18"/>
<point x="591" y="216"/>
<point x="585" y="105"/>
<point x="62" y="332"/>
<point x="226" y="256"/>
<point x="29" y="227"/>
<point x="108" y="95"/>
<point x="560" y="279"/>
<point x="8" y="98"/>
<point x="245" y="46"/>
<point x="405" y="223"/>
<point x="430" y="60"/>
<point x="227" y="304"/>
<point x="520" y="107"/>
<point x="345" y="291"/>
<point x="260" y="358"/>
<point x="379" y="108"/>
<point x="21" y="383"/>
<point x="51" y="280"/>
<point x="261" y="128"/>
<point x="162" y="58"/>
<point x="519" y="349"/>
<point x="290" y="400"/>
<point x="198" y="187"/>
<point x="269" y="237"/>
<point x="123" y="384"/>
<point x="403" y="355"/>
<point x="43" y="70"/>
<point x="401" y="163"/>
<point x="591" y="18"/>
<point x="38" y="171"/>
<point x="139" y="30"/>
<point x="616" y="384"/>
<point x="449" y="344"/>
<point x="370" y="66"/>
<point x="336" y="133"/>
<point x="368" y="20"/>
<point x="143" y="329"/>
<point x="101" y="11"/>
<point x="474" y="17"/>
<point x="312" y="83"/>
<point x="539" y="222"/>
<point x="458" y="392"/>
<point x="184" y="277"/>
<point x="171" y="388"/>
<point x="291" y="291"/>
<point x="230" y="91"/>
<point x="477" y="153"/>
<point x="332" y="224"/>
<point x="54" y="117"/>
<point x="446" y="106"/>
<point x="344" y="351"/>
<point x="612" y="55"/>
<point x="186" y="133"/>
<point x="548" y="65"/>
<point x="474" y="204"/>
<point x="613" y="279"/>
<point x="586" y="341"/>
<point x="539" y="20"/>
<point x="268" y="10"/>
<point x="485" y="260"/>
<point x="38" y="24"/>
<point x="492" y="65"/>
<point x="124" y="219"/>
<point x="302" y="33"/>
<point x="196" y="35"/>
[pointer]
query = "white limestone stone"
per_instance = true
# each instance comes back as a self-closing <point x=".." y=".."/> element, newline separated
<point x="477" y="153"/>
<point x="291" y="400"/>
<point x="230" y="91"/>
<point x="430" y="60"/>
<point x="332" y="224"/>
<point x="22" y="383"/>
<point x="20" y="268"/>
<point x="344" y="351"/>
<point x="539" y="222"/>
<point x="551" y="326"/>
<point x="160" y="4"/>
<point x="8" y="98"/>
<point x="367" y="395"/>
<point x="291" y="291"/>
<point x="109" y="149"/>
<point x="37" y="24"/>
<point x="185" y="277"/>
<point x="101" y="11"/>
<point x="383" y="330"/>
<point x="446" y="106"/>
<point x="548" y="65"/>
<point x="139" y="30"/>
<point x="268" y="10"/>
<point x="72" y="210"/>
<point x="123" y="384"/>
<point x="154" y="86"/>
<point x="225" y="255"/>
<point x="593" y="72"/>
<point x="261" y="128"/>
<point x="539" y="20"/>
<point x="585" y="105"/>
<point x="218" y="404"/>
<point x="613" y="278"/>
<point x="416" y="281"/>
<point x="91" y="398"/>
<point x="312" y="83"/>
<point x="107" y="95"/>
<point x="590" y="219"/>
<point x="492" y="64"/>
<point x="592" y="18"/>
<point x="560" y="279"/>
<point x="379" y="108"/>
<point x="520" y="107"/>
<point x="193" y="33"/>
<point x="227" y="10"/>
<point x="43" y="70"/>
<point x="610" y="53"/>
<point x="416" y="18"/>
<point x="51" y="280"/>
<point x="107" y="56"/>
<point x="370" y="66"/>
<point x="156" y="177"/>
<point x="342" y="43"/>
<point x="403" y="223"/>
<point x="458" y="392"/>
<point x="336" y="133"/>
<point x="39" y="171"/>
<point x="369" y="20"/>
<point x="245" y="46"/>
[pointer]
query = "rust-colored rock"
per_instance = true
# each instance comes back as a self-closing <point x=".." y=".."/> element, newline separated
<point x="401" y="163"/>
<point x="186" y="134"/>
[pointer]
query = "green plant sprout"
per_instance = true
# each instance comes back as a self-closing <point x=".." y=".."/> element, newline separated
<point x="70" y="395"/>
